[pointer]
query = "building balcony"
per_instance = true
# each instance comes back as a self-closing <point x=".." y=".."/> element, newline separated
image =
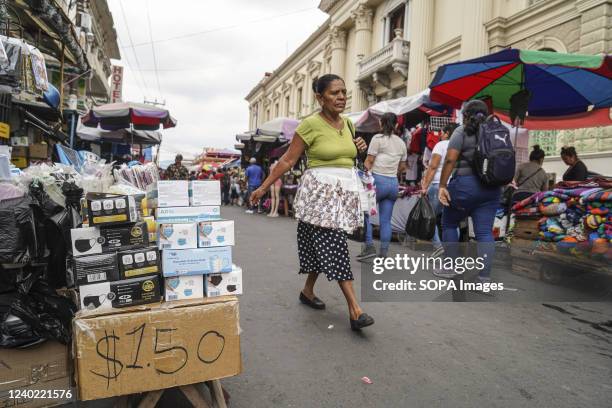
<point x="391" y="58"/>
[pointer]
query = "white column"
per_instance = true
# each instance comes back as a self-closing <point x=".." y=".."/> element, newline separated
<point x="421" y="39"/>
<point x="337" y="37"/>
<point x="363" y="46"/>
<point x="474" y="40"/>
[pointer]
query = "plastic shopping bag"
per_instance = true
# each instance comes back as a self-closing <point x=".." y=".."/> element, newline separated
<point x="421" y="223"/>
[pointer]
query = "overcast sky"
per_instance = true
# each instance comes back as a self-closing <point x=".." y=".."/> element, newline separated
<point x="204" y="76"/>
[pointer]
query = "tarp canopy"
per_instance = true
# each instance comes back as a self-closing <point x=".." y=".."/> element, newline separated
<point x="283" y="128"/>
<point x="125" y="136"/>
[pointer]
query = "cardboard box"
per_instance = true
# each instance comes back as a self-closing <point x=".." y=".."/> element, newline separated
<point x="177" y="236"/>
<point x="204" y="192"/>
<point x="95" y="268"/>
<point x="20" y="162"/>
<point x="97" y="240"/>
<point x="166" y="345"/>
<point x="187" y="214"/>
<point x="527" y="228"/>
<point x="169" y="193"/>
<point x="20" y="141"/>
<point x="215" y="233"/>
<point x="151" y="227"/>
<point x="46" y="367"/>
<point x="39" y="151"/>
<point x="19" y="151"/>
<point x="184" y="287"/>
<point x="221" y="284"/>
<point x="198" y="261"/>
<point x="138" y="262"/>
<point x="121" y="293"/>
<point x="109" y="209"/>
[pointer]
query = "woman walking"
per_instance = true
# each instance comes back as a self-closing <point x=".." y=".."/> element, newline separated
<point x="465" y="195"/>
<point x="327" y="203"/>
<point x="386" y="159"/>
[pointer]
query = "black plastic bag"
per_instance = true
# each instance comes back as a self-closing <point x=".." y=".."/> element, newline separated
<point x="17" y="226"/>
<point x="421" y="222"/>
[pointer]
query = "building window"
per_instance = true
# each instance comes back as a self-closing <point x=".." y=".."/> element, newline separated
<point x="299" y="103"/>
<point x="268" y="114"/>
<point x="287" y="105"/>
<point x="276" y="110"/>
<point x="395" y="20"/>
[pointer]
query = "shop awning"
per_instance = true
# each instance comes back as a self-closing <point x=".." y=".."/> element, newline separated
<point x="125" y="136"/>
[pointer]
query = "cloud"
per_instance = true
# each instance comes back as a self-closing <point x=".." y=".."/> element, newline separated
<point x="204" y="78"/>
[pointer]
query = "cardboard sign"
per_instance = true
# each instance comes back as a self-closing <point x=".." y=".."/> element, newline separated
<point x="165" y="346"/>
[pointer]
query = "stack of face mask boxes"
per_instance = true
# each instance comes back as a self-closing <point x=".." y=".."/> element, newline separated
<point x="114" y="264"/>
<point x="195" y="243"/>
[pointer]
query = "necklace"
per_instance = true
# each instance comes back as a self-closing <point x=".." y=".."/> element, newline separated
<point x="332" y="124"/>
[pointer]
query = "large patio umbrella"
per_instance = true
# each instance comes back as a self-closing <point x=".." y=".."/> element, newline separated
<point x="128" y="115"/>
<point x="126" y="136"/>
<point x="283" y="128"/>
<point x="549" y="84"/>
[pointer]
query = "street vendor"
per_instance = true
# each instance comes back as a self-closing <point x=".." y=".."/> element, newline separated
<point x="577" y="170"/>
<point x="327" y="204"/>
<point x="176" y="171"/>
<point x="530" y="177"/>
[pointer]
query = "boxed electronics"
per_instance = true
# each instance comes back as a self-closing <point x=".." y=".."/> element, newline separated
<point x="184" y="287"/>
<point x="196" y="261"/>
<point x="189" y="342"/>
<point x="177" y="236"/>
<point x="95" y="268"/>
<point x="215" y="233"/>
<point x="109" y="209"/>
<point x="187" y="214"/>
<point x="220" y="284"/>
<point x="138" y="262"/>
<point x="204" y="192"/>
<point x="169" y="193"/>
<point x="121" y="293"/>
<point x="38" y="369"/>
<point x="96" y="240"/>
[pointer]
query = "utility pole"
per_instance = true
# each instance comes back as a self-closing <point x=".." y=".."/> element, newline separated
<point x="155" y="102"/>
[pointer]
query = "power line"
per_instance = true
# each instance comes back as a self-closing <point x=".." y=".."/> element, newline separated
<point x="153" y="49"/>
<point x="178" y="37"/>
<point x="127" y="27"/>
<point x="127" y="60"/>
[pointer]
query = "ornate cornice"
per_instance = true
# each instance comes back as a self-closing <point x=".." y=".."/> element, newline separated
<point x="362" y="16"/>
<point x="314" y="68"/>
<point x="337" y="38"/>
<point x="298" y="78"/>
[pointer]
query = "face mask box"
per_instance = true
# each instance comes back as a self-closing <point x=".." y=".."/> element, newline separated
<point x="221" y="284"/>
<point x="177" y="236"/>
<point x="96" y="240"/>
<point x="95" y="268"/>
<point x="151" y="227"/>
<point x="205" y="192"/>
<point x="138" y="262"/>
<point x="169" y="193"/>
<point x="198" y="261"/>
<point x="184" y="287"/>
<point x="187" y="214"/>
<point x="123" y="293"/>
<point x="110" y="209"/>
<point x="215" y="233"/>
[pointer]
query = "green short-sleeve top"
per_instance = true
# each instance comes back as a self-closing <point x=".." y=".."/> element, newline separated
<point x="327" y="146"/>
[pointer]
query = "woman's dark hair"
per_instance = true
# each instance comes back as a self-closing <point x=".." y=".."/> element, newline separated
<point x="388" y="122"/>
<point x="536" y="154"/>
<point x="568" y="151"/>
<point x="450" y="128"/>
<point x="475" y="112"/>
<point x="319" y="85"/>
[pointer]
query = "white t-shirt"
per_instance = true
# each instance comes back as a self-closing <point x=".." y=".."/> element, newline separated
<point x="388" y="152"/>
<point x="440" y="149"/>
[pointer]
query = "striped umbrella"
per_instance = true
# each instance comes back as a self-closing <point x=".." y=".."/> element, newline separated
<point x="125" y="115"/>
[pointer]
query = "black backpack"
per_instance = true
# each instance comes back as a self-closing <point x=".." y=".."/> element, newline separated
<point x="494" y="159"/>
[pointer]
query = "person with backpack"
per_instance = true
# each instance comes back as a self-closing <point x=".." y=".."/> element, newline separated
<point x="481" y="151"/>
<point x="530" y="177"/>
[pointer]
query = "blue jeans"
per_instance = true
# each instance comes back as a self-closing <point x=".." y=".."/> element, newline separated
<point x="386" y="194"/>
<point x="469" y="198"/>
<point x="432" y="195"/>
<point x="250" y="190"/>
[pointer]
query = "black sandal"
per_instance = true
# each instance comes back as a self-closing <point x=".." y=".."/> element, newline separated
<point x="364" y="320"/>
<point x="315" y="303"/>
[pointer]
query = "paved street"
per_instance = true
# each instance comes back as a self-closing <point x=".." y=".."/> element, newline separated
<point x="417" y="354"/>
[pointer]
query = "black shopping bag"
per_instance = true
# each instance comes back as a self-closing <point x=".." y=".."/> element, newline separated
<point x="421" y="222"/>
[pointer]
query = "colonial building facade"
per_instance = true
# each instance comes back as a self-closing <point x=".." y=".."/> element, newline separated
<point x="390" y="48"/>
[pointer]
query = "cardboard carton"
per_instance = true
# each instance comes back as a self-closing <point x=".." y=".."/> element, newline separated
<point x="20" y="141"/>
<point x="184" y="287"/>
<point x="166" y="345"/>
<point x="109" y="209"/>
<point x="46" y="367"/>
<point x="39" y="151"/>
<point x="138" y="262"/>
<point x="221" y="284"/>
<point x="169" y="193"/>
<point x="19" y="151"/>
<point x="187" y="214"/>
<point x="20" y="162"/>
<point x="204" y="192"/>
<point x="198" y="261"/>
<point x="122" y="293"/>
<point x="215" y="233"/>
<point x="177" y="236"/>
<point x="96" y="240"/>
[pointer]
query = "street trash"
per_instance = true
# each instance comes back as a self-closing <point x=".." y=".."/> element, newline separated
<point x="331" y="326"/>
<point x="366" y="380"/>
<point x="422" y="220"/>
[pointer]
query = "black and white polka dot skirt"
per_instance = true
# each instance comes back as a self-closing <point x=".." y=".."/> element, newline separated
<point x="323" y="250"/>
